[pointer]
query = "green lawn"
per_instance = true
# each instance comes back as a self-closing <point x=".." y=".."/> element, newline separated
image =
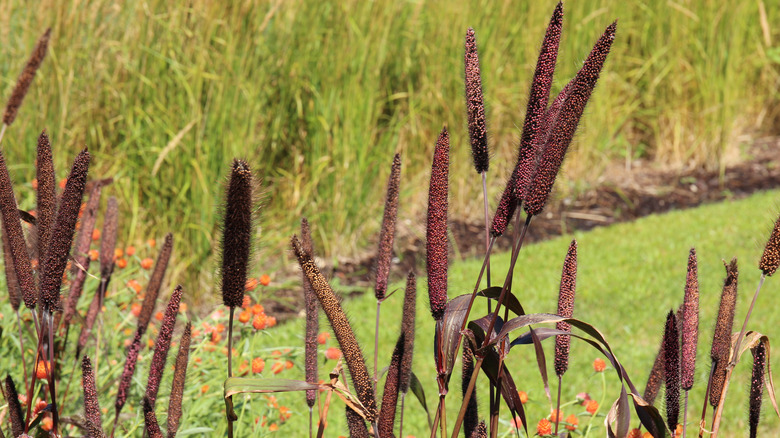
<point x="630" y="275"/>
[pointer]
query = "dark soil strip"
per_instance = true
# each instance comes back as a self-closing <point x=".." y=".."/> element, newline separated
<point x="624" y="195"/>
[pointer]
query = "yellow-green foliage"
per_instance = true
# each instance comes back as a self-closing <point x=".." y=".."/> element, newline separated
<point x="317" y="95"/>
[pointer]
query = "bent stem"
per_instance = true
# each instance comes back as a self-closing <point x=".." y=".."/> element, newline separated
<point x="733" y="361"/>
<point x="703" y="421"/>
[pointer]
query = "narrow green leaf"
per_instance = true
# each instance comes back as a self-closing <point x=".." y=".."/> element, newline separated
<point x="242" y="385"/>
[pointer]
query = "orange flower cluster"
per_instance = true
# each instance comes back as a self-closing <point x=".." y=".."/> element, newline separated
<point x="256" y="314"/>
<point x="252" y="282"/>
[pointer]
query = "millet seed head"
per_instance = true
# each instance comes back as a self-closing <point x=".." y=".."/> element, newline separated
<point x="756" y="387"/>
<point x="390" y="393"/>
<point x="14" y="407"/>
<point x="690" y="324"/>
<point x="770" y="259"/>
<point x="26" y="78"/>
<point x="507" y="206"/>
<point x="408" y="329"/>
<point x="672" y="371"/>
<point x="129" y="370"/>
<point x="179" y="378"/>
<point x="562" y="132"/>
<point x="436" y="232"/>
<point x="348" y="343"/>
<point x="46" y="202"/>
<point x="530" y="144"/>
<point x="721" y="338"/>
<point x="162" y="345"/>
<point x="387" y="233"/>
<point x="566" y="308"/>
<point x="475" y="107"/>
<point x="155" y="283"/>
<point x="91" y="404"/>
<point x="236" y="234"/>
<point x="12" y="228"/>
<point x="62" y="233"/>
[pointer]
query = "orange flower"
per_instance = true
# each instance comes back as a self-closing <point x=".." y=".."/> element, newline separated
<point x="277" y="367"/>
<point x="323" y="337"/>
<point x="244" y="316"/>
<point x="63" y="181"/>
<point x="251" y="284"/>
<point x="556" y="416"/>
<point x="544" y="427"/>
<point x="289" y="364"/>
<point x="215" y="337"/>
<point x="220" y="327"/>
<point x="333" y="353"/>
<point x="96" y="234"/>
<point x="39" y="406"/>
<point x="159" y="316"/>
<point x="118" y="253"/>
<point x="647" y="435"/>
<point x="204" y="388"/>
<point x="523" y="397"/>
<point x="130" y="251"/>
<point x="599" y="365"/>
<point x="136" y="309"/>
<point x="121" y="263"/>
<point x="258" y="309"/>
<point x="259" y="322"/>
<point x="516" y="422"/>
<point x="258" y="365"/>
<point x="592" y="406"/>
<point x="634" y="433"/>
<point x="147" y="263"/>
<point x="247" y="302"/>
<point x="273" y="427"/>
<point x="34" y="183"/>
<point x="40" y="369"/>
<point x="265" y="279"/>
<point x="93" y="254"/>
<point x="151" y="243"/>
<point x="270" y="321"/>
<point x="678" y="430"/>
<point x="573" y="421"/>
<point x="47" y="424"/>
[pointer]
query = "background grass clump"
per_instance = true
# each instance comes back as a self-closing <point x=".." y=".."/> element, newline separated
<point x="320" y="94"/>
